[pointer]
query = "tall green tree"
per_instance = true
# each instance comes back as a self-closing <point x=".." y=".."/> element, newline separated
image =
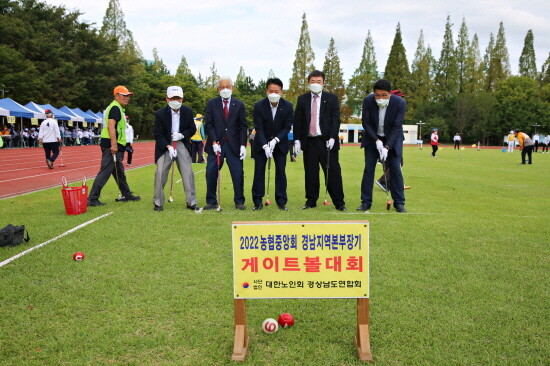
<point x="193" y="95"/>
<point x="114" y="26"/>
<point x="473" y="69"/>
<point x="499" y="64"/>
<point x="212" y="80"/>
<point x="421" y="86"/>
<point x="303" y="64"/>
<point x="527" y="60"/>
<point x="461" y="53"/>
<point x="545" y="72"/>
<point x="334" y="77"/>
<point x="447" y="74"/>
<point x="363" y="78"/>
<point x="244" y="84"/>
<point x="397" y="68"/>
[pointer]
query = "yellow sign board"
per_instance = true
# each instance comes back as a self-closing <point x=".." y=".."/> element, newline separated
<point x="84" y="124"/>
<point x="11" y="119"/>
<point x="70" y="123"/>
<point x="34" y="121"/>
<point x="310" y="259"/>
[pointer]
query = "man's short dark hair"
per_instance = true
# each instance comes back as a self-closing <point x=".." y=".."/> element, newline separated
<point x="316" y="73"/>
<point x="275" y="81"/>
<point x="382" y="85"/>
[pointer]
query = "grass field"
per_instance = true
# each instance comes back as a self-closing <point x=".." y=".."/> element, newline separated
<point x="462" y="279"/>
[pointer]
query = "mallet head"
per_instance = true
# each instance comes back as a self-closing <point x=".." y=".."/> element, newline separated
<point x="267" y="202"/>
<point x="326" y="203"/>
<point x="388" y="205"/>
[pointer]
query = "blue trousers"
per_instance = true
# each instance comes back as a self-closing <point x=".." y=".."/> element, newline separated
<point x="396" y="177"/>
<point x="237" y="175"/>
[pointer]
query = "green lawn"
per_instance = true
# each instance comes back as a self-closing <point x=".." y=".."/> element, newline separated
<point x="462" y="279"/>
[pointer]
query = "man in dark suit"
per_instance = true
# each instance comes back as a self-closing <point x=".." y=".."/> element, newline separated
<point x="225" y="125"/>
<point x="272" y="120"/>
<point x="383" y="115"/>
<point x="174" y="126"/>
<point x="316" y="128"/>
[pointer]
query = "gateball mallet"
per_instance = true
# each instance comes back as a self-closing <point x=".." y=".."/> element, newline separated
<point x="388" y="202"/>
<point x="218" y="158"/>
<point x="117" y="177"/>
<point x="267" y="201"/>
<point x="172" y="176"/>
<point x="326" y="203"/>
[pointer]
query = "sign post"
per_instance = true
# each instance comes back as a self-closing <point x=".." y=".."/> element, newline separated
<point x="309" y="259"/>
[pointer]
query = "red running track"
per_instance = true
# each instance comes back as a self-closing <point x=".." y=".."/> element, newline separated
<point x="24" y="170"/>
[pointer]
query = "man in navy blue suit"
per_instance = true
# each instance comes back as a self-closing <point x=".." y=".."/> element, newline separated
<point x="316" y="129"/>
<point x="383" y="115"/>
<point x="273" y="118"/>
<point x="225" y="125"/>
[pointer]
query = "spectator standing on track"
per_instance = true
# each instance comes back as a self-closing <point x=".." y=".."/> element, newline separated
<point x="25" y="135"/>
<point x="129" y="141"/>
<point x="526" y="145"/>
<point x="197" y="139"/>
<point x="457" y="140"/>
<point x="113" y="143"/>
<point x="50" y="138"/>
<point x="434" y="141"/>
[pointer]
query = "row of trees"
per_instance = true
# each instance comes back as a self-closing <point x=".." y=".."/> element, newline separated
<point x="48" y="56"/>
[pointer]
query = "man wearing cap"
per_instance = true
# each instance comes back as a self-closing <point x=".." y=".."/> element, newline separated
<point x="434" y="141"/>
<point x="526" y="145"/>
<point x="173" y="128"/>
<point x="383" y="114"/>
<point x="50" y="138"/>
<point x="226" y="127"/>
<point x="197" y="141"/>
<point x="113" y="144"/>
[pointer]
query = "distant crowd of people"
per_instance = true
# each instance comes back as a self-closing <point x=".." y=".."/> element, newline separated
<point x="28" y="137"/>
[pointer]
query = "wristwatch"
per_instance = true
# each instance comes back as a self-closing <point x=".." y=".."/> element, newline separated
<point x="386" y="146"/>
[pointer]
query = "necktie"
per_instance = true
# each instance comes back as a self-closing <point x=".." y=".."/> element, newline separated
<point x="313" y="122"/>
<point x="225" y="109"/>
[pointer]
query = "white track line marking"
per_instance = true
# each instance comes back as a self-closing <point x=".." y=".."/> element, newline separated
<point x="193" y="173"/>
<point x="54" y="239"/>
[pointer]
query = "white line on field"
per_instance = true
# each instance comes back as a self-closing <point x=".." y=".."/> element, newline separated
<point x="193" y="173"/>
<point x="54" y="239"/>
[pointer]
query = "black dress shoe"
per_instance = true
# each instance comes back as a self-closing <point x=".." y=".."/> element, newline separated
<point x="364" y="207"/>
<point x="158" y="208"/>
<point x="307" y="206"/>
<point x="210" y="206"/>
<point x="240" y="206"/>
<point x="400" y="208"/>
<point x="192" y="207"/>
<point x="131" y="197"/>
<point x="282" y="208"/>
<point x="341" y="208"/>
<point x="258" y="207"/>
<point x="95" y="203"/>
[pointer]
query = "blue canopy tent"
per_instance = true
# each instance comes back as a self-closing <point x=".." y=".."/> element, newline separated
<point x="83" y="114"/>
<point x="17" y="110"/>
<point x="57" y="114"/>
<point x="98" y="118"/>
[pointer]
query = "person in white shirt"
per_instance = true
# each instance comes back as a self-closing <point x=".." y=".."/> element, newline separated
<point x="536" y="139"/>
<point x="457" y="140"/>
<point x="129" y="141"/>
<point x="546" y="142"/>
<point x="434" y="141"/>
<point x="50" y="138"/>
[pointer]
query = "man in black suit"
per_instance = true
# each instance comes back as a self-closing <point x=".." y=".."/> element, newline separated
<point x="383" y="115"/>
<point x="272" y="121"/>
<point x="226" y="127"/>
<point x="316" y="128"/>
<point x="174" y="126"/>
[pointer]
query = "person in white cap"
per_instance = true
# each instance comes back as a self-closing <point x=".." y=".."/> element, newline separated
<point x="174" y="126"/>
<point x="50" y="138"/>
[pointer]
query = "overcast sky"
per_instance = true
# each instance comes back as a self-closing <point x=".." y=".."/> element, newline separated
<point x="263" y="35"/>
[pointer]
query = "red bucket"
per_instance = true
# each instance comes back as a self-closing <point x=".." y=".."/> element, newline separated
<point x="75" y="198"/>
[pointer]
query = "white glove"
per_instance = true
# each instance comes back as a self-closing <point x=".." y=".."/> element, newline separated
<point x="272" y="144"/>
<point x="268" y="151"/>
<point x="242" y="155"/>
<point x="379" y="146"/>
<point x="173" y="152"/>
<point x="330" y="144"/>
<point x="383" y="154"/>
<point x="217" y="148"/>
<point x="176" y="136"/>
<point x="297" y="147"/>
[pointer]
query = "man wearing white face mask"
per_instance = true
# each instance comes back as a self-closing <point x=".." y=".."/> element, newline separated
<point x="316" y="129"/>
<point x="226" y="127"/>
<point x="272" y="120"/>
<point x="382" y="118"/>
<point x="174" y="126"/>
